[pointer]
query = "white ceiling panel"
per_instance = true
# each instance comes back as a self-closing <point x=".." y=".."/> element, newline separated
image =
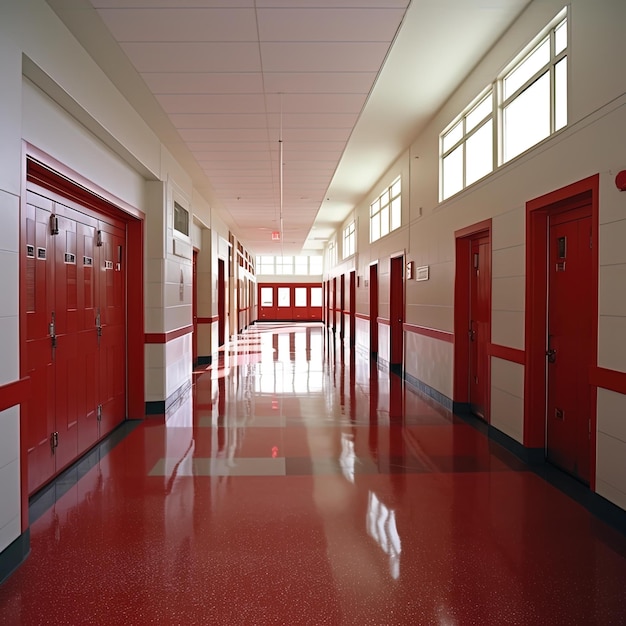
<point x="318" y="82"/>
<point x="318" y="103"/>
<point x="323" y="57"/>
<point x="193" y="57"/>
<point x="220" y="103"/>
<point x="204" y="83"/>
<point x="166" y="4"/>
<point x="130" y="24"/>
<point x="346" y="84"/>
<point x="207" y="122"/>
<point x="329" y="24"/>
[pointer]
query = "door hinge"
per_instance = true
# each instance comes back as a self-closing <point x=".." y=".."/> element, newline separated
<point x="54" y="441"/>
<point x="99" y="412"/>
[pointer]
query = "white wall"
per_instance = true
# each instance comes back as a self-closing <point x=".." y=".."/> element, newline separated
<point x="593" y="142"/>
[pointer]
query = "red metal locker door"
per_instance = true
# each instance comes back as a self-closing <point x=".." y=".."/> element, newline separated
<point x="480" y="333"/>
<point x="88" y="374"/>
<point x="112" y="305"/>
<point x="39" y="291"/>
<point x="569" y="342"/>
<point x="68" y="368"/>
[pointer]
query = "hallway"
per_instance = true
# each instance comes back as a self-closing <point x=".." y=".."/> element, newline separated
<point x="298" y="483"/>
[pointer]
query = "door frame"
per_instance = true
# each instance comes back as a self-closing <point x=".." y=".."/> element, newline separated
<point x="462" y="283"/>
<point x="49" y="173"/>
<point x="373" y="287"/>
<point x="397" y="304"/>
<point x="538" y="212"/>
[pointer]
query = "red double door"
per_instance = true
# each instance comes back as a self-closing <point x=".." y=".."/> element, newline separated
<point x="74" y="349"/>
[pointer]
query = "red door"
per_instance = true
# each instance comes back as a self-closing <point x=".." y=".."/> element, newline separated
<point x="194" y="309"/>
<point x="479" y="326"/>
<point x="39" y="350"/>
<point x="374" y="308"/>
<point x="221" y="303"/>
<point x="112" y="305"/>
<point x="396" y="311"/>
<point x="342" y="306"/>
<point x="569" y="350"/>
<point x="352" y="307"/>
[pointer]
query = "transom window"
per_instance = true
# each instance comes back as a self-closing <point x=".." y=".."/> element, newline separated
<point x="289" y="265"/>
<point x="349" y="240"/>
<point x="386" y="211"/>
<point x="467" y="148"/>
<point x="532" y="101"/>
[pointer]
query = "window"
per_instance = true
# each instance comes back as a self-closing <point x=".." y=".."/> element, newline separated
<point x="286" y="265"/>
<point x="284" y="295"/>
<point x="534" y="94"/>
<point x="385" y="211"/>
<point x="467" y="147"/>
<point x="300" y="296"/>
<point x="267" y="296"/>
<point x="316" y="296"/>
<point x="349" y="240"/>
<point x="532" y="100"/>
<point x="181" y="219"/>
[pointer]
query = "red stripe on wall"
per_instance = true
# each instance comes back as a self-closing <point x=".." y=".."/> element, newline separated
<point x="508" y="354"/>
<point x="612" y="380"/>
<point x="14" y="393"/>
<point x="362" y="316"/>
<point x="208" y="320"/>
<point x="433" y="333"/>
<point x="383" y="320"/>
<point x="169" y="336"/>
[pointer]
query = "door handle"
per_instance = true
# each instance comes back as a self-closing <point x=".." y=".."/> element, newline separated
<point x="52" y="330"/>
<point x="551" y="352"/>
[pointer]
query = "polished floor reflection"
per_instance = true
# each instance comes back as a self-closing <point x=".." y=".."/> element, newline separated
<point x="297" y="483"/>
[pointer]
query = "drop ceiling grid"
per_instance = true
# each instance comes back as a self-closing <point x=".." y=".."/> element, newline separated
<point x="234" y="77"/>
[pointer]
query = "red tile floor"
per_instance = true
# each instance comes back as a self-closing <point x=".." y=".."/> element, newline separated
<point x="299" y="484"/>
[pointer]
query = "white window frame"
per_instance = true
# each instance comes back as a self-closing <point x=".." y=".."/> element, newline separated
<point x="382" y="211"/>
<point x="500" y="104"/>
<point x="349" y="239"/>
<point x="467" y="132"/>
<point x="548" y="33"/>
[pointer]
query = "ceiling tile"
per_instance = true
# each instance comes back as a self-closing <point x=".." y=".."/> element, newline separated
<point x="204" y="82"/>
<point x="194" y="57"/>
<point x="180" y="24"/>
<point x="328" y="24"/>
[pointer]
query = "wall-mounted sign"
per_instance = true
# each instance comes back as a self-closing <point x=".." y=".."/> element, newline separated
<point x="421" y="273"/>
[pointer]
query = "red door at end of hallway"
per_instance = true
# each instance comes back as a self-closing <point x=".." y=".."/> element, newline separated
<point x="569" y="345"/>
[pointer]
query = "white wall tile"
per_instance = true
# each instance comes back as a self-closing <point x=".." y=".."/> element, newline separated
<point x="612" y="343"/>
<point x="612" y="414"/>
<point x="9" y="435"/>
<point x="611" y="462"/>
<point x="9" y="233"/>
<point x="507" y="376"/>
<point x="508" y="293"/>
<point x="508" y="229"/>
<point x="612" y="250"/>
<point x="507" y="328"/>
<point x="9" y="287"/>
<point x="613" y="290"/>
<point x="10" y="532"/>
<point x="609" y="492"/>
<point x="508" y="262"/>
<point x="507" y="413"/>
<point x="9" y="492"/>
<point x="9" y="349"/>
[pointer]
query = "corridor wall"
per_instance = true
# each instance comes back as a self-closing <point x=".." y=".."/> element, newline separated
<point x="591" y="144"/>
